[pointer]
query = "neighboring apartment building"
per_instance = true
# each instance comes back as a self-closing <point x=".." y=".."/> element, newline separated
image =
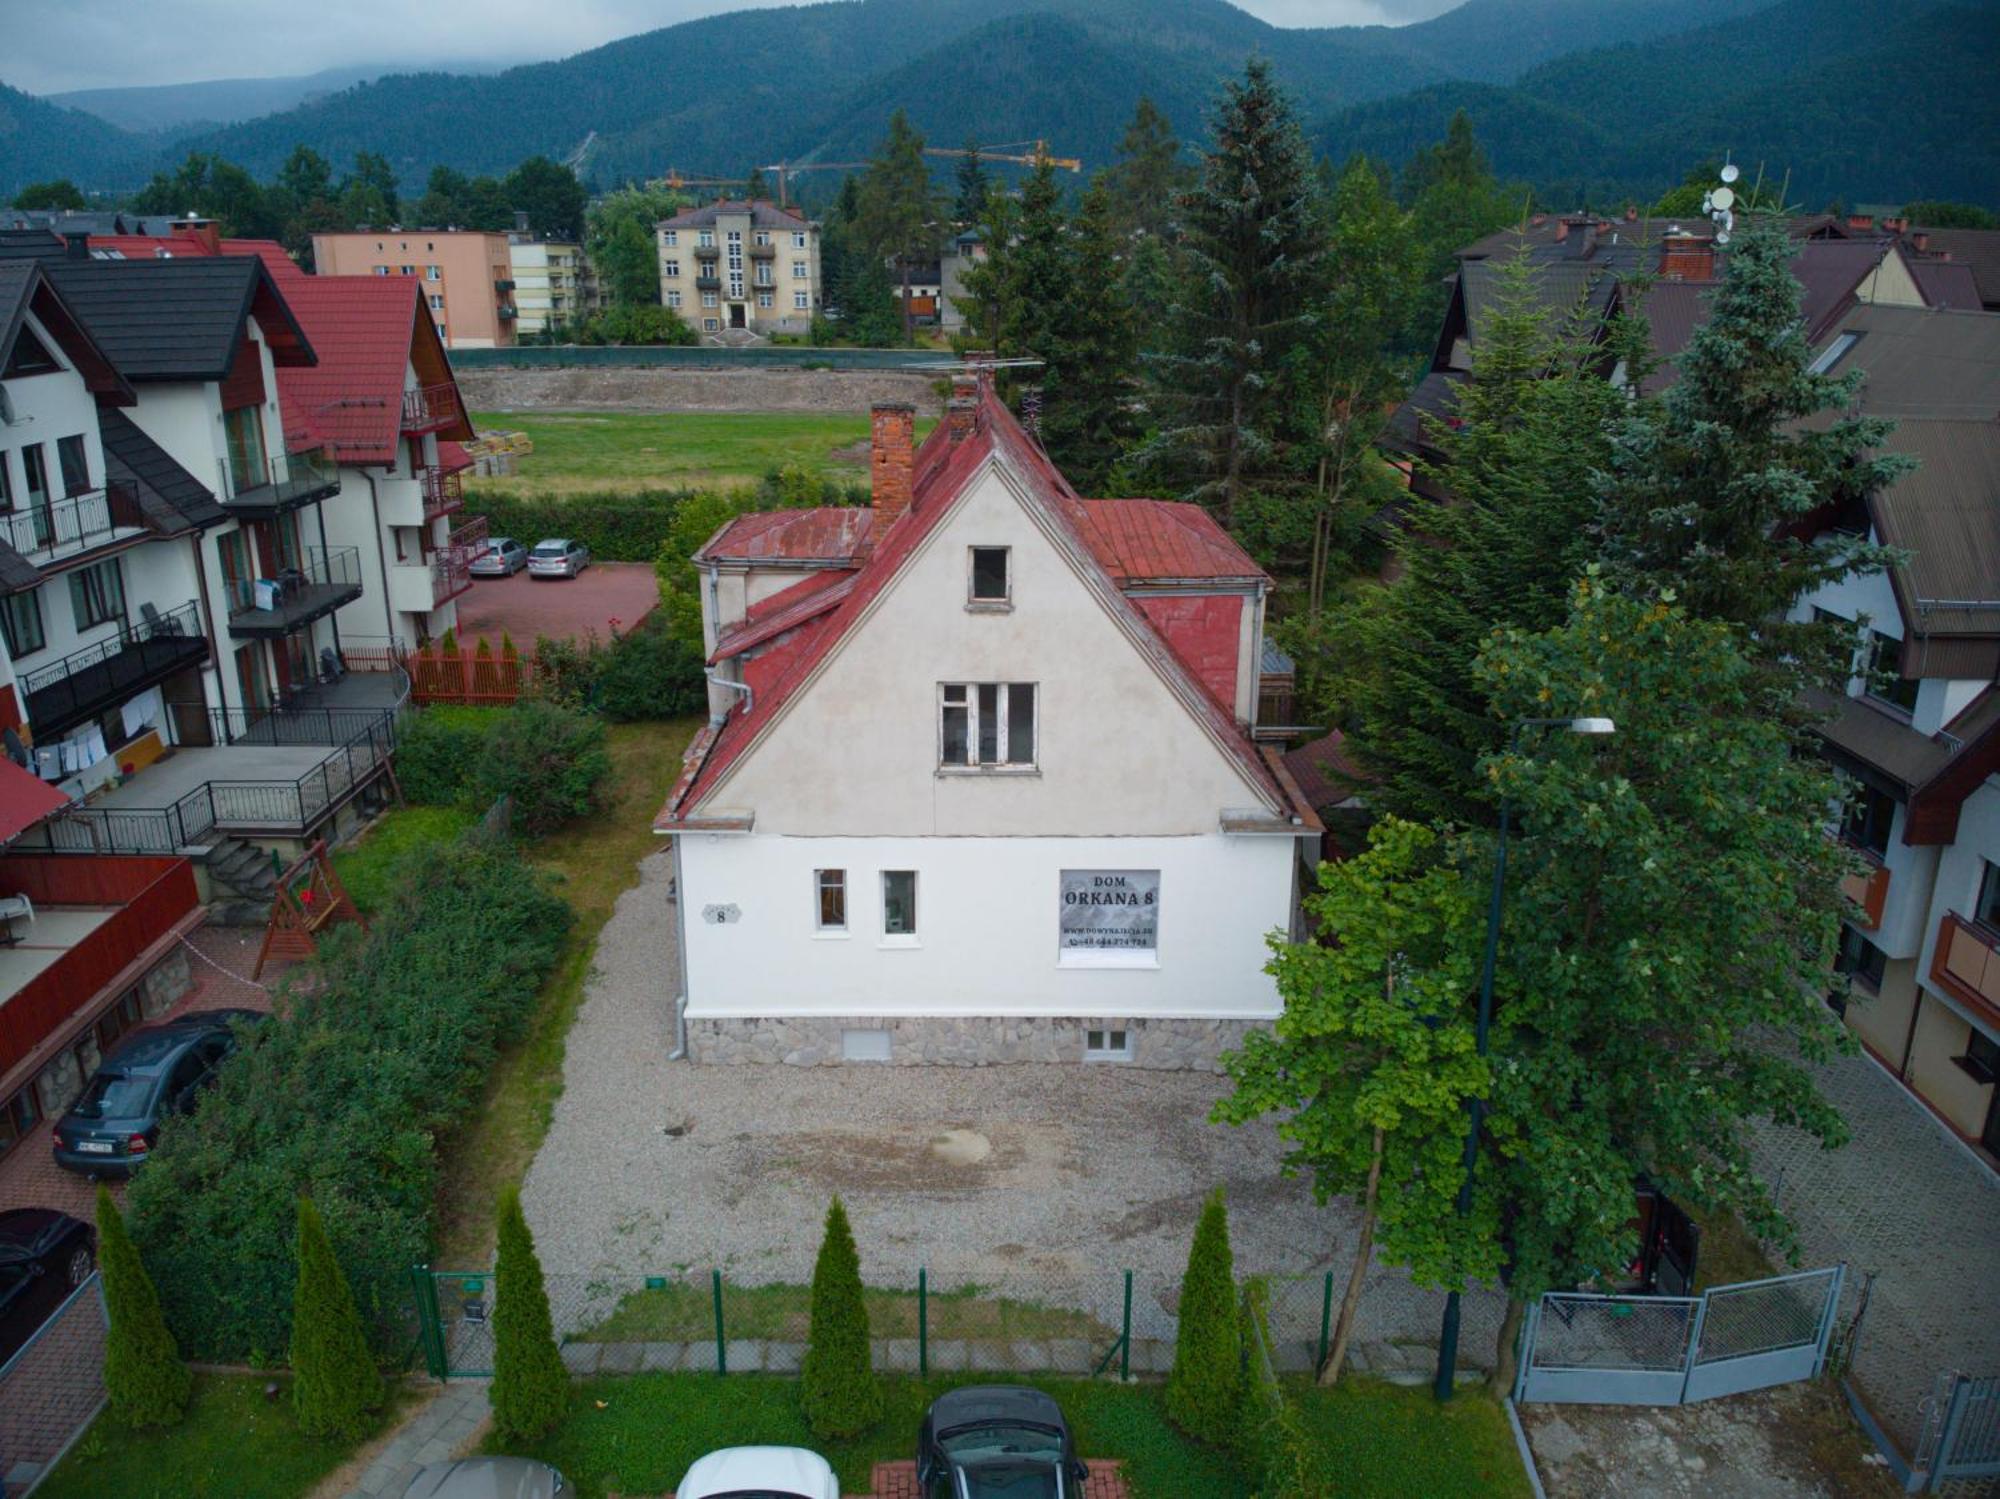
<point x="554" y="286"/>
<point x="738" y="264"/>
<point x="467" y="276"/>
<point x="1919" y="731"/>
<point x="966" y="252"/>
<point x="980" y="781"/>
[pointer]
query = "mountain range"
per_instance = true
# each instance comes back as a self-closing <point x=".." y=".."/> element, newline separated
<point x="1858" y="99"/>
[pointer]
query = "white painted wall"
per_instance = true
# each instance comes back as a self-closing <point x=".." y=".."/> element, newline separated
<point x="857" y="753"/>
<point x="1912" y="876"/>
<point x="47" y="408"/>
<point x="1960" y="867"/>
<point x="987" y="923"/>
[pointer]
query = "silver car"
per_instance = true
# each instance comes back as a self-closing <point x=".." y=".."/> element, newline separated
<point x="489" y="1478"/>
<point x="558" y="557"/>
<point x="503" y="557"/>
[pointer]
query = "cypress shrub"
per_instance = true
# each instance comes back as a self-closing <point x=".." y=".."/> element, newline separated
<point x="530" y="1383"/>
<point x="143" y="1373"/>
<point x="335" y="1386"/>
<point x="1204" y="1390"/>
<point x="837" y="1381"/>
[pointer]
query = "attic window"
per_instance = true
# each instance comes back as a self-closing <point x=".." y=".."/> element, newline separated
<point x="990" y="582"/>
<point x="30" y="357"/>
<point x="1833" y="353"/>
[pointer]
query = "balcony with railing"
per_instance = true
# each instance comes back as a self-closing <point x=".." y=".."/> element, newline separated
<point x="503" y="285"/>
<point x="763" y="252"/>
<point x="707" y="252"/>
<point x="284" y="483"/>
<point x="96" y="679"/>
<point x="94" y="920"/>
<point x="417" y="587"/>
<point x="1868" y="889"/>
<point x="1965" y="963"/>
<point x="443" y="494"/>
<point x="707" y="280"/>
<point x="431" y="408"/>
<point x="271" y="608"/>
<point x="55" y="531"/>
<point x="508" y="312"/>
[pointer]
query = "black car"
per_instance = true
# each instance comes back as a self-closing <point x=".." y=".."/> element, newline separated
<point x="44" y="1256"/>
<point x="155" y="1071"/>
<point x="997" y="1442"/>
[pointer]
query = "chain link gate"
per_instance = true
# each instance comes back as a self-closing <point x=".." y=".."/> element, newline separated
<point x="1960" y="1448"/>
<point x="1584" y="1349"/>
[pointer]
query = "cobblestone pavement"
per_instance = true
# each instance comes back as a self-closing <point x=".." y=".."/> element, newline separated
<point x="1908" y="1204"/>
<point x="435" y="1434"/>
<point x="560" y="608"/>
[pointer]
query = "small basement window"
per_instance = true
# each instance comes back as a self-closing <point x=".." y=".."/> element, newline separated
<point x="990" y="581"/>
<point x="1107" y="1046"/>
<point x="864" y="1046"/>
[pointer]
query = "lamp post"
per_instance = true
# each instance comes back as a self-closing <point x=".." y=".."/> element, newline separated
<point x="1448" y="1334"/>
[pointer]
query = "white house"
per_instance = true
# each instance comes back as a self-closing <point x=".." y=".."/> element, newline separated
<point x="979" y="783"/>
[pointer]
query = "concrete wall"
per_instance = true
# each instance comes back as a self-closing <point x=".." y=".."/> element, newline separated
<point x="1962" y="1100"/>
<point x="1882" y="1019"/>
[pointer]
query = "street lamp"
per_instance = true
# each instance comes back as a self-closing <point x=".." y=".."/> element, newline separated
<point x="1448" y="1334"/>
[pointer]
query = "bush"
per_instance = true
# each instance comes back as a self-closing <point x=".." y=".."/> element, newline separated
<point x="566" y="669"/>
<point x="638" y="323"/>
<point x="336" y="1388"/>
<point x="549" y="759"/>
<point x="650" y="672"/>
<point x="341" y="1096"/>
<point x="616" y="526"/>
<point x="837" y="1381"/>
<point x="437" y="751"/>
<point x="144" y="1377"/>
<point x="1204" y="1389"/>
<point x="530" y="1385"/>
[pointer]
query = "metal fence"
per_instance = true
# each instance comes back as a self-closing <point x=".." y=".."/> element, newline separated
<point x="1673" y="1350"/>
<point x="1959" y="1450"/>
<point x="52" y="1389"/>
<point x="771" y="356"/>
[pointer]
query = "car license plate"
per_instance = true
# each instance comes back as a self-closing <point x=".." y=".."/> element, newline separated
<point x="94" y="1147"/>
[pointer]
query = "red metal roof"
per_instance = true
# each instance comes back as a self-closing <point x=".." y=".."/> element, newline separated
<point x="942" y="468"/>
<point x="831" y="533"/>
<point x="1142" y="541"/>
<point x="785" y="610"/>
<point x="25" y="799"/>
<point x="452" y="457"/>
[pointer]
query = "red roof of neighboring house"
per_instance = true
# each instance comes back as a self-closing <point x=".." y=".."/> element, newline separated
<point x="784" y="610"/>
<point x="1325" y="772"/>
<point x="25" y="799"/>
<point x="284" y="270"/>
<point x="452" y="457"/>
<point x="1159" y="540"/>
<point x="831" y="533"/>
<point x="942" y="468"/>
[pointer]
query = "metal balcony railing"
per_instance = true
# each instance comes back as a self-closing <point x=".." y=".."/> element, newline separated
<point x="1965" y="963"/>
<point x="99" y="677"/>
<point x="284" y="482"/>
<point x="443" y="493"/>
<point x="430" y="408"/>
<point x="77" y="523"/>
<point x="323" y="580"/>
<point x="763" y="252"/>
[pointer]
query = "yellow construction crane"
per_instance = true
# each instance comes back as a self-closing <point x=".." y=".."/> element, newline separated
<point x="784" y="169"/>
<point x="675" y="181"/>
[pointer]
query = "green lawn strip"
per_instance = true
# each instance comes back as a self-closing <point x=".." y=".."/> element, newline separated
<point x="1391" y="1440"/>
<point x="652" y="1426"/>
<point x="365" y="868"/>
<point x="622" y="449"/>
<point x="684" y="1310"/>
<point x="234" y="1441"/>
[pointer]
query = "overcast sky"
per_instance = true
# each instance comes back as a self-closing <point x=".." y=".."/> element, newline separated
<point x="56" y="45"/>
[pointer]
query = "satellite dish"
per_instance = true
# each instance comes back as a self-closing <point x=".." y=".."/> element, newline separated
<point x="1731" y="172"/>
<point x="1722" y="197"/>
<point x="1722" y="237"/>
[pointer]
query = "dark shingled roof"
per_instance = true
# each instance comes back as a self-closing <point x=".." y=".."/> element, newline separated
<point x="179" y="319"/>
<point x="764" y="214"/>
<point x="1878" y="746"/>
<point x="1946" y="515"/>
<point x="173" y="500"/>
<point x="1938" y="363"/>
<point x="1976" y="248"/>
<point x="17" y="573"/>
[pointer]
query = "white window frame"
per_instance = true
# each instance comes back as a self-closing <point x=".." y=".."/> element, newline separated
<point x="801" y="301"/>
<point x="706" y="240"/>
<point x="798" y="270"/>
<point x="670" y="238"/>
<point x="1107" y="1043"/>
<point x="710" y="325"/>
<point x="708" y="299"/>
<point x="762" y="237"/>
<point x="673" y="298"/>
<point x="968" y="701"/>
<point x="670" y="268"/>
<point x="798" y="239"/>
<point x="764" y="299"/>
<point x="910" y="938"/>
<point x="824" y="880"/>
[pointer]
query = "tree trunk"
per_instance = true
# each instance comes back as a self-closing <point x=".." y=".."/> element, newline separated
<point x="1357" y="1277"/>
<point x="909" y="324"/>
<point x="1503" y="1351"/>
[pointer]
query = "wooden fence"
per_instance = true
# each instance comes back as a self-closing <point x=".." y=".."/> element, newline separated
<point x="467" y="678"/>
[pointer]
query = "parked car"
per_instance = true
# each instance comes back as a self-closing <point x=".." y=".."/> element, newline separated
<point x="503" y="557"/>
<point x="557" y="557"/>
<point x="155" y="1071"/>
<point x="997" y="1442"/>
<point x="488" y="1478"/>
<point x="44" y="1256"/>
<point x="762" y="1472"/>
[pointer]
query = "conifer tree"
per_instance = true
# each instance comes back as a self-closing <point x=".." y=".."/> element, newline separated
<point x="1037" y="267"/>
<point x="1252" y="252"/>
<point x="989" y="280"/>
<point x="1203" y="1390"/>
<point x="1091" y="348"/>
<point x="973" y="187"/>
<point x="837" y="1379"/>
<point x="530" y="1384"/>
<point x="897" y="211"/>
<point x="336" y="1388"/>
<point x="144" y="1377"/>
<point x="1149" y="174"/>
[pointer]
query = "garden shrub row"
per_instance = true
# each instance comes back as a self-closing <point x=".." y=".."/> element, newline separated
<point x="547" y="757"/>
<point x="343" y="1096"/>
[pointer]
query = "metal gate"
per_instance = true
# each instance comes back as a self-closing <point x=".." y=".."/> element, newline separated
<point x="1668" y="1350"/>
<point x="455" y="1323"/>
<point x="1963" y="1433"/>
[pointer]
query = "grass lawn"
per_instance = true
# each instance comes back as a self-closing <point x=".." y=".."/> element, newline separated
<point x="650" y="1427"/>
<point x="685" y="1310"/>
<point x="594" y="862"/>
<point x="233" y="1442"/>
<point x="364" y="868"/>
<point x="624" y="450"/>
<point x="1387" y="1440"/>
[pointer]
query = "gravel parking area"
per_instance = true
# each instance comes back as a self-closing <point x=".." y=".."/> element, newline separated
<point x="607" y="592"/>
<point x="1018" y="1176"/>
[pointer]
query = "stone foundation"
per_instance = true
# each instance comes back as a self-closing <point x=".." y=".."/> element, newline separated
<point x="981" y="1041"/>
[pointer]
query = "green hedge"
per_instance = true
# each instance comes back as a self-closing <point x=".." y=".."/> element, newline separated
<point x="343" y="1097"/>
<point x="650" y="672"/>
<point x="617" y="527"/>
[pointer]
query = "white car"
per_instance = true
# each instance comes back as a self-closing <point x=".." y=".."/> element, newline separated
<point x="767" y="1472"/>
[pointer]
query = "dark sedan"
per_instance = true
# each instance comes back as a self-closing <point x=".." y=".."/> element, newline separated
<point x="997" y="1442"/>
<point x="156" y="1071"/>
<point x="44" y="1256"/>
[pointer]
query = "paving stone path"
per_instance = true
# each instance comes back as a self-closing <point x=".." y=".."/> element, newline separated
<point x="431" y="1436"/>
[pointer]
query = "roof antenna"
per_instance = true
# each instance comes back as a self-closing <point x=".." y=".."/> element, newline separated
<point x="1719" y="203"/>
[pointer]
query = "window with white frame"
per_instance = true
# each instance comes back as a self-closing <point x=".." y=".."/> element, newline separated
<point x="989" y="582"/>
<point x="706" y="239"/>
<point x="986" y="725"/>
<point x="899" y="903"/>
<point x="1882" y="675"/>
<point x="763" y="236"/>
<point x="1108" y="918"/>
<point x="1107" y="1045"/>
<point x="437" y="302"/>
<point x="670" y="268"/>
<point x="830" y="900"/>
<point x="709" y="325"/>
<point x="801" y="301"/>
<point x="708" y="299"/>
<point x="433" y="273"/>
<point x="798" y="239"/>
<point x="764" y="299"/>
<point x="671" y="238"/>
<point x="673" y="299"/>
<point x="798" y="270"/>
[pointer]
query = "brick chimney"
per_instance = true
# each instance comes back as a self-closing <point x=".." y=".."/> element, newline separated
<point x="1921" y="241"/>
<point x="1683" y="257"/>
<point x="890" y="460"/>
<point x="1631" y="213"/>
<point x="1860" y="221"/>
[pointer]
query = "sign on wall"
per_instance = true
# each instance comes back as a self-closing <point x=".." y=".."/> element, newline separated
<point x="1110" y="910"/>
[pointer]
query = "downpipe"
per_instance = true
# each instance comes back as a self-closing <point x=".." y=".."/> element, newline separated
<point x="716" y="679"/>
<point x="680" y="1051"/>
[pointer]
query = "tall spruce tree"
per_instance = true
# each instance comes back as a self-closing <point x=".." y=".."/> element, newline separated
<point x="1088" y="422"/>
<point x="1149" y="174"/>
<point x="897" y="211"/>
<point x="1037" y="267"/>
<point x="989" y="280"/>
<point x="1252" y="253"/>
<point x="336" y="1388"/>
<point x="973" y="187"/>
<point x="144" y="1378"/>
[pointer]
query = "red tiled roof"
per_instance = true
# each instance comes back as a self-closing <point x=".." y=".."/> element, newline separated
<point x="1325" y="772"/>
<point x="1161" y="540"/>
<point x="942" y="468"/>
<point x="25" y="799"/>
<point x="362" y="327"/>
<point x="452" y="457"/>
<point x="284" y="270"/>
